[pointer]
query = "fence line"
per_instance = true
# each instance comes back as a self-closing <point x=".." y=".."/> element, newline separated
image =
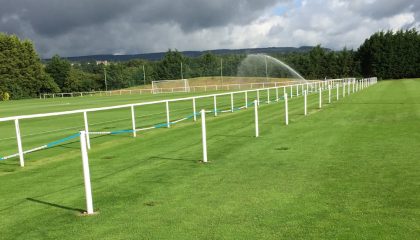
<point x="314" y="87"/>
<point x="204" y="88"/>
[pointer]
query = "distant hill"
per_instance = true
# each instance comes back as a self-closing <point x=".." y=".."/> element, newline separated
<point x="159" y="55"/>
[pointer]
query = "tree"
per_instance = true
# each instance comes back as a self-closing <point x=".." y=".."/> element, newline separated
<point x="58" y="69"/>
<point x="391" y="54"/>
<point x="79" y="81"/>
<point x="21" y="73"/>
<point x="209" y="64"/>
<point x="170" y="66"/>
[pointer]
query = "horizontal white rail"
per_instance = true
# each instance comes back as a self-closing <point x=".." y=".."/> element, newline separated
<point x="40" y="115"/>
<point x="139" y="104"/>
<point x="193" y="88"/>
<point x="313" y="86"/>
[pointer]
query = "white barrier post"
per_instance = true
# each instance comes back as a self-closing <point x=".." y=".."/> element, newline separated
<point x="194" y="110"/>
<point x="291" y="91"/>
<point x="86" y="173"/>
<point x="19" y="143"/>
<point x="348" y="88"/>
<point x="305" y="102"/>
<point x="268" y="95"/>
<point x="231" y="102"/>
<point x="133" y="121"/>
<point x="286" y="110"/>
<point x="338" y="91"/>
<point x="277" y="94"/>
<point x="353" y="85"/>
<point x="297" y="90"/>
<point x="168" y="121"/>
<point x="86" y="130"/>
<point x="246" y="99"/>
<point x="258" y="97"/>
<point x="329" y="93"/>
<point x="215" y="105"/>
<point x="344" y="89"/>
<point x="257" y="132"/>
<point x="320" y="98"/>
<point x="203" y="134"/>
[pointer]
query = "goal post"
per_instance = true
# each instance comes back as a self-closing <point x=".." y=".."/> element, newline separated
<point x="170" y="86"/>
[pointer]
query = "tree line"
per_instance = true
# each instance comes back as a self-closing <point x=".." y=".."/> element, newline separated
<point x="386" y="55"/>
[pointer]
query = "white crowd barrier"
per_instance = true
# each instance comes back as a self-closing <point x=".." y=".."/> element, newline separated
<point x="297" y="88"/>
<point x="84" y="135"/>
<point x="204" y="88"/>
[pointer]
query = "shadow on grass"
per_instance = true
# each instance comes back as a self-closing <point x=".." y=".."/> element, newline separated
<point x="2" y="163"/>
<point x="173" y="159"/>
<point x="233" y="135"/>
<point x="12" y="206"/>
<point x="68" y="145"/>
<point x="55" y="205"/>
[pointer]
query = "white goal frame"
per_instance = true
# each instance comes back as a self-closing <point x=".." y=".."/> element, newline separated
<point x="156" y="89"/>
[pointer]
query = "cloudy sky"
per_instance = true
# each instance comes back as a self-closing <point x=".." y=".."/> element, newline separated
<point x="85" y="27"/>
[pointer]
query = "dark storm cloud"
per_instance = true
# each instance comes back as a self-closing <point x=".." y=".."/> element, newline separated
<point x="72" y="27"/>
<point x="84" y="27"/>
<point x="53" y="17"/>
<point x="192" y="15"/>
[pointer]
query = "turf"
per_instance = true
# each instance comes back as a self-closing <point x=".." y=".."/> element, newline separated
<point x="347" y="171"/>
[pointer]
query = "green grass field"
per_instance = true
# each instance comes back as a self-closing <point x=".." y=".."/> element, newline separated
<point x="347" y="171"/>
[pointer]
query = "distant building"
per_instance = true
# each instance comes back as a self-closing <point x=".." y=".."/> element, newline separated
<point x="102" y="62"/>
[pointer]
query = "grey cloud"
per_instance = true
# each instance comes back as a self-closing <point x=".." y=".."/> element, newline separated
<point x="192" y="15"/>
<point x="379" y="9"/>
<point x="51" y="18"/>
<point x="83" y="27"/>
<point x="94" y="26"/>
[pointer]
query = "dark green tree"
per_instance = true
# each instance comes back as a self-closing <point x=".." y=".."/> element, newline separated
<point x="21" y="73"/>
<point x="80" y="81"/>
<point x="170" y="66"/>
<point x="59" y="69"/>
<point x="391" y="54"/>
<point x="209" y="64"/>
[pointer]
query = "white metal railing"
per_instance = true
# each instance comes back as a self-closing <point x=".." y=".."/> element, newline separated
<point x="313" y="86"/>
<point x="204" y="88"/>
